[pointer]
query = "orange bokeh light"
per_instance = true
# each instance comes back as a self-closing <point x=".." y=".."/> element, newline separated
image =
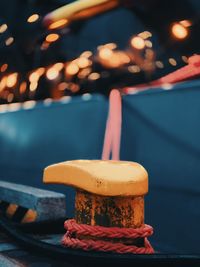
<point x="59" y="66"/>
<point x="3" y="28"/>
<point x="179" y="31"/>
<point x="62" y="86"/>
<point x="52" y="73"/>
<point x="33" y="86"/>
<point x="22" y="87"/>
<point x="52" y="37"/>
<point x="86" y="54"/>
<point x="40" y="71"/>
<point x="186" y="23"/>
<point x="138" y="42"/>
<point x="4" y="67"/>
<point x="83" y="62"/>
<point x="58" y="24"/>
<point x="94" y="76"/>
<point x="34" y="77"/>
<point x="12" y="80"/>
<point x="9" y="41"/>
<point x="3" y="83"/>
<point x="105" y="53"/>
<point x="72" y="69"/>
<point x="33" y="18"/>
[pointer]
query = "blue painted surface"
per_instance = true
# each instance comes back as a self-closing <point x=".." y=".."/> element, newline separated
<point x="32" y="139"/>
<point x="161" y="131"/>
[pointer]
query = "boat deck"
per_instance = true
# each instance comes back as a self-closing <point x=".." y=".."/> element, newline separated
<point x="13" y="255"/>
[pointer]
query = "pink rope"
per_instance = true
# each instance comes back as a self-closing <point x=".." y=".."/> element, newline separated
<point x="191" y="71"/>
<point x="113" y="127"/>
<point x="74" y="229"/>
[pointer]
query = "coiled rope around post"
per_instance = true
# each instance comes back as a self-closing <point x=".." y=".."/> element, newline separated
<point x="113" y="233"/>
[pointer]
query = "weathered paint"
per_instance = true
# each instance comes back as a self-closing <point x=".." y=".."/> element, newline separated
<point x="110" y="212"/>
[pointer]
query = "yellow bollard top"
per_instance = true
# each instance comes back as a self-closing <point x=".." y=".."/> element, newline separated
<point x="106" y="178"/>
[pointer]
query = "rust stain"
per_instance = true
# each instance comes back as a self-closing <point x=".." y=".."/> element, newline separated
<point x="126" y="212"/>
<point x="109" y="211"/>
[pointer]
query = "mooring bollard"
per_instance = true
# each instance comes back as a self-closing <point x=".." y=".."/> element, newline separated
<point x="109" y="196"/>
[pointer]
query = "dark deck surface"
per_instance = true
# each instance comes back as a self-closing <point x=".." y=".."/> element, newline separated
<point x="12" y="255"/>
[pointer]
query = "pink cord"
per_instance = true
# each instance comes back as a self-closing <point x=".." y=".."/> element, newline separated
<point x="113" y="127"/>
<point x="191" y="71"/>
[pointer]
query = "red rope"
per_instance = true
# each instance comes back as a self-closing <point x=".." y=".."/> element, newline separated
<point x="74" y="229"/>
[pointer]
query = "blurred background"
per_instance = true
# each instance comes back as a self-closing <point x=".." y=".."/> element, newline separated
<point x="131" y="44"/>
<point x="128" y="46"/>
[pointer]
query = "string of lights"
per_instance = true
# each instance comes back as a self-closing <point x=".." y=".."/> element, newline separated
<point x="106" y="68"/>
